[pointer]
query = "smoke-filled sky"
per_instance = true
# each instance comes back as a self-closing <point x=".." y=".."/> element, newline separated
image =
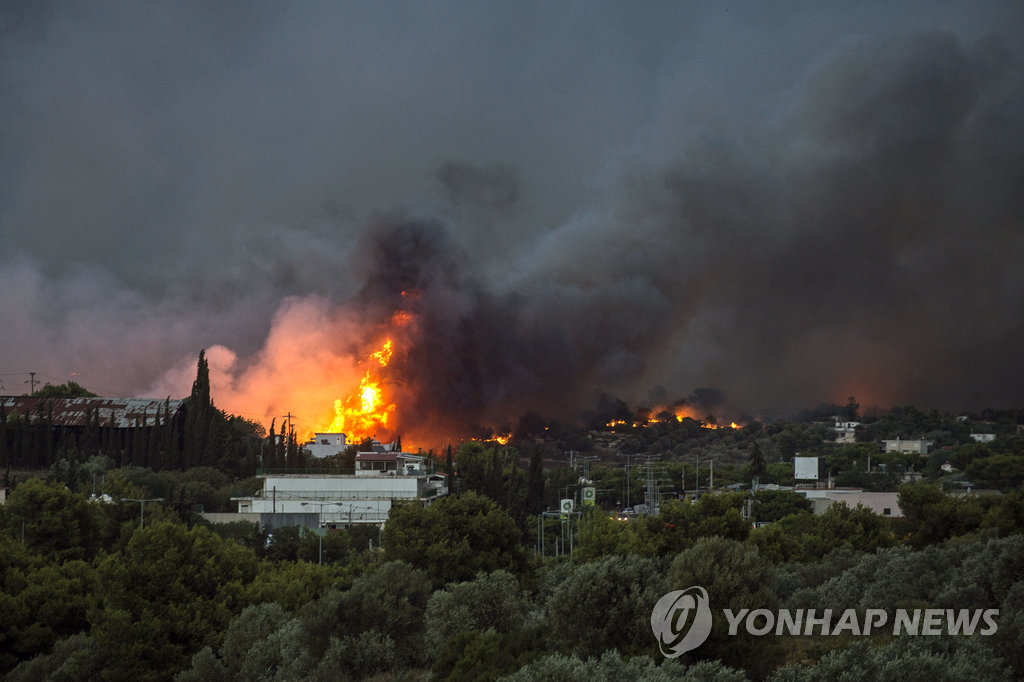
<point x="790" y="202"/>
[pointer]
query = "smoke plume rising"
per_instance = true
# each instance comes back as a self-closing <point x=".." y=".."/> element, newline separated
<point x="790" y="204"/>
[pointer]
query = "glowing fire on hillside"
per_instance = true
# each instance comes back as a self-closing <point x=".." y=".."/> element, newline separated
<point x="657" y="416"/>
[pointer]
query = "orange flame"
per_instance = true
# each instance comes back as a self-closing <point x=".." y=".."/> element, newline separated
<point x="365" y="411"/>
<point x="383" y="356"/>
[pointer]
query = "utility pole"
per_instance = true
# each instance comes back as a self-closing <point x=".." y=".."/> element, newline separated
<point x="32" y="383"/>
<point x="142" y="506"/>
<point x="627" y="481"/>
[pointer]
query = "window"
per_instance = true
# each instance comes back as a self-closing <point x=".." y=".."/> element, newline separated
<point x="887" y="511"/>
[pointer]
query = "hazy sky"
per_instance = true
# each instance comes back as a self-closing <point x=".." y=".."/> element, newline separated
<point x="791" y="202"/>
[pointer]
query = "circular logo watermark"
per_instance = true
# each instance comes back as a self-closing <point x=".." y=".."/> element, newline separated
<point x="681" y="620"/>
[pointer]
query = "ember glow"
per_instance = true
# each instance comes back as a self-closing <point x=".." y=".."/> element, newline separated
<point x="680" y="413"/>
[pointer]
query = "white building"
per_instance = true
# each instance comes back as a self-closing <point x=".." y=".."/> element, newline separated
<point x="846" y="432"/>
<point x="322" y="445"/>
<point x="917" y="447"/>
<point x="983" y="437"/>
<point x="883" y="504"/>
<point x="381" y="479"/>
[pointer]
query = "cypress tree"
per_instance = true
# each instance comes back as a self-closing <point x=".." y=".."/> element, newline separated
<point x="272" y="440"/>
<point x="169" y="441"/>
<point x="199" y="416"/>
<point x="153" y="441"/>
<point x="281" y="446"/>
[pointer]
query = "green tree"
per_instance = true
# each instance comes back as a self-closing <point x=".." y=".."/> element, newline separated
<point x="261" y="643"/>
<point x="735" y="577"/>
<point x="612" y="666"/>
<point x="773" y="505"/>
<point x="606" y="604"/>
<point x="454" y="538"/>
<point x="485" y="655"/>
<point x="601" y="535"/>
<point x="41" y="601"/>
<point x="68" y="390"/>
<point x="1002" y="471"/>
<point x="494" y="472"/>
<point x="200" y="427"/>
<point x="168" y="594"/>
<point x="52" y="520"/>
<point x="756" y="466"/>
<point x="806" y="537"/>
<point x="919" y="658"/>
<point x="491" y="601"/>
<point x="932" y="516"/>
<point x="383" y="609"/>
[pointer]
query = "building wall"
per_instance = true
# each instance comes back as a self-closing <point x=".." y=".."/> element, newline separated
<point x="329" y="513"/>
<point x="883" y="504"/>
<point x="311" y="488"/>
<point x="919" y="447"/>
<point x="338" y="499"/>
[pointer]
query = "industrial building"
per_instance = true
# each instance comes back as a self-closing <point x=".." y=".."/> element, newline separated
<point x="382" y="478"/>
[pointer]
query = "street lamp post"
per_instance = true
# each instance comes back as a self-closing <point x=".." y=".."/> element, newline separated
<point x="142" y="506"/>
<point x="321" y="505"/>
<point x="319" y="520"/>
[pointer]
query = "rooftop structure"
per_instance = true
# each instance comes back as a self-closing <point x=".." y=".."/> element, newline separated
<point x="120" y="413"/>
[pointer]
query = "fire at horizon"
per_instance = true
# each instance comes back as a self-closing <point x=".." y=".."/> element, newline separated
<point x="680" y="413"/>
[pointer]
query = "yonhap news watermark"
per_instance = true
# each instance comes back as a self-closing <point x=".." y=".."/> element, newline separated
<point x="682" y="621"/>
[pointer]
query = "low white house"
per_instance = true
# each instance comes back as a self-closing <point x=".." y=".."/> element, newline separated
<point x="381" y="479"/>
<point x="883" y="504"/>
<point x="916" y="446"/>
<point x="983" y="437"/>
<point x="322" y="445"/>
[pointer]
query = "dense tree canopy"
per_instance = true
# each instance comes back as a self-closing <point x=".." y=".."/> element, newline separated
<point x="459" y="589"/>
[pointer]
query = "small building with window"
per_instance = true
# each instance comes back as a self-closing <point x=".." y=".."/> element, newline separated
<point x="322" y="445"/>
<point x="389" y="464"/>
<point x="915" y="446"/>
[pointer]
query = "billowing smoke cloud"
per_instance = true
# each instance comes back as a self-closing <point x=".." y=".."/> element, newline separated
<point x="791" y="205"/>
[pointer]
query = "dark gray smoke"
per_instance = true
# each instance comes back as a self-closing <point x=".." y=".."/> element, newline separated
<point x="791" y="204"/>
